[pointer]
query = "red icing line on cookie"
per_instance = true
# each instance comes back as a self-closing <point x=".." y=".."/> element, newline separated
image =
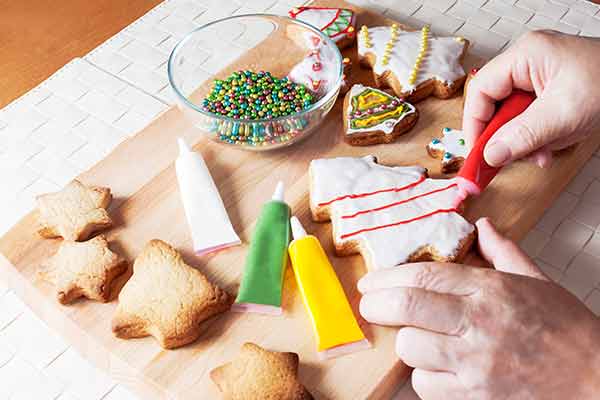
<point x="337" y="14"/>
<point x="357" y="196"/>
<point x="397" y="203"/>
<point x="406" y="221"/>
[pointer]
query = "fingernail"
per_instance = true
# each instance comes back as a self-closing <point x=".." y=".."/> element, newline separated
<point x="496" y="153"/>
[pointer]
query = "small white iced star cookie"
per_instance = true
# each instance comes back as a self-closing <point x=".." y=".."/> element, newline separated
<point x="451" y="148"/>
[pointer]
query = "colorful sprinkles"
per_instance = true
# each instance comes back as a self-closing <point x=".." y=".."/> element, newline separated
<point x="247" y="96"/>
<point x="252" y="95"/>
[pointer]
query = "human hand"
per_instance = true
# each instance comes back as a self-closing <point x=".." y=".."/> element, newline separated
<point x="563" y="72"/>
<point x="477" y="333"/>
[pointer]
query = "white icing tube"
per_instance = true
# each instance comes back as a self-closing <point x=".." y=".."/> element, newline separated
<point x="206" y="215"/>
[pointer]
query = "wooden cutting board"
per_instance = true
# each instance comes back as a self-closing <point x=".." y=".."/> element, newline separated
<point x="147" y="205"/>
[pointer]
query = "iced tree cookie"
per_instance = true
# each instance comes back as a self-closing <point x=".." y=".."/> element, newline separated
<point x="75" y="212"/>
<point x="451" y="148"/>
<point x="258" y="374"/>
<point x="390" y="215"/>
<point x="415" y="64"/>
<point x="337" y="23"/>
<point x="83" y="269"/>
<point x="372" y="116"/>
<point x="166" y="298"/>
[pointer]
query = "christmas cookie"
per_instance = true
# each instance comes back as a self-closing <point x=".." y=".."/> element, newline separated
<point x="390" y="215"/>
<point x="166" y="298"/>
<point x="75" y="212"/>
<point x="258" y="374"/>
<point x="450" y="148"/>
<point x="337" y="23"/>
<point x="372" y="116"/>
<point x="83" y="269"/>
<point x="415" y="64"/>
<point x="318" y="71"/>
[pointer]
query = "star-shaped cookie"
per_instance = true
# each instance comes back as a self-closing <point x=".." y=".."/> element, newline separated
<point x="166" y="298"/>
<point x="451" y="148"/>
<point x="75" y="212"/>
<point x="83" y="269"/>
<point x="390" y="215"/>
<point x="415" y="64"/>
<point x="258" y="374"/>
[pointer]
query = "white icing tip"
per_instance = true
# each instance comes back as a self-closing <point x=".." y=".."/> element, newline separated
<point x="278" y="193"/>
<point x="297" y="228"/>
<point x="183" y="146"/>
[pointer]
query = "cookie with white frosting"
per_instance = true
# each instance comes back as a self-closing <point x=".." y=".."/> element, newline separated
<point x="415" y="64"/>
<point x="451" y="148"/>
<point x="373" y="116"/>
<point x="339" y="24"/>
<point x="390" y="215"/>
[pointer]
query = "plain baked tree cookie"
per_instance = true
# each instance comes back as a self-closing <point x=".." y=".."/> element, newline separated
<point x="390" y="215"/>
<point x="83" y="269"/>
<point x="166" y="298"/>
<point x="75" y="212"/>
<point x="258" y="374"/>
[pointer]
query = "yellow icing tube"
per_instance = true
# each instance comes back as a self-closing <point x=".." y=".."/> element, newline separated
<point x="336" y="329"/>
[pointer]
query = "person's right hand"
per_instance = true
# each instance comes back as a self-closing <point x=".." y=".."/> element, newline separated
<point x="563" y="71"/>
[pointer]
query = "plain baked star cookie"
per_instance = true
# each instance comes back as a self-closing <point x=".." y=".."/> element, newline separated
<point x="83" y="269"/>
<point x="258" y="374"/>
<point x="372" y="116"/>
<point x="75" y="212"/>
<point x="390" y="215"/>
<point x="415" y="64"/>
<point x="166" y="298"/>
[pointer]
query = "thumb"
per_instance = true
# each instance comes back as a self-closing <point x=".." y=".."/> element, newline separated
<point x="541" y="123"/>
<point x="503" y="253"/>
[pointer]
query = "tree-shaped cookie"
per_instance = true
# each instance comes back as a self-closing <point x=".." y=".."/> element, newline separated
<point x="83" y="269"/>
<point x="372" y="116"/>
<point x="258" y="374"/>
<point x="75" y="212"/>
<point x="166" y="298"/>
<point x="451" y="148"/>
<point x="415" y="64"/>
<point x="337" y="23"/>
<point x="390" y="215"/>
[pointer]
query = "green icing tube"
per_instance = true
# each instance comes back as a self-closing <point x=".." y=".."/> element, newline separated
<point x="261" y="287"/>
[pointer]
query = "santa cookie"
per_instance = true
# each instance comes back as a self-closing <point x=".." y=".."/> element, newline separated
<point x="415" y="64"/>
<point x="166" y="298"/>
<point x="258" y="374"/>
<point x="75" y="212"/>
<point x="372" y="116"/>
<point x="390" y="215"/>
<point x="319" y="71"/>
<point x="451" y="148"/>
<point x="338" y="24"/>
<point x="83" y="269"/>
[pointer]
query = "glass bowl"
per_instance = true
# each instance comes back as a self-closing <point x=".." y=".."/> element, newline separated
<point x="255" y="42"/>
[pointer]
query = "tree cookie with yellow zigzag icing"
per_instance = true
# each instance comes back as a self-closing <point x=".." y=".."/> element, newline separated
<point x="372" y="116"/>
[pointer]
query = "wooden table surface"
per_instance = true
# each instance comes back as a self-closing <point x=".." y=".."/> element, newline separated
<point x="37" y="37"/>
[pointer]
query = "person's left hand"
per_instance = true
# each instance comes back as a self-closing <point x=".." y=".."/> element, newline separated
<point x="475" y="333"/>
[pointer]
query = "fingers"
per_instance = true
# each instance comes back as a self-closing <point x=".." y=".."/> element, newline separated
<point x="503" y="253"/>
<point x="437" y="385"/>
<point x="541" y="157"/>
<point x="493" y="82"/>
<point x="540" y="124"/>
<point x="419" y="348"/>
<point x="416" y="307"/>
<point x="437" y="277"/>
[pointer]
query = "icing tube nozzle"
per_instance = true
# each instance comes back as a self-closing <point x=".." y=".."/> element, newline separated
<point x="298" y="231"/>
<point x="262" y="282"/>
<point x="278" y="193"/>
<point x="205" y="212"/>
<point x="476" y="174"/>
<point x="335" y="327"/>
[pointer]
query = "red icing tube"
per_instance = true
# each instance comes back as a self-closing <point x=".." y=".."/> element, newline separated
<point x="476" y="174"/>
